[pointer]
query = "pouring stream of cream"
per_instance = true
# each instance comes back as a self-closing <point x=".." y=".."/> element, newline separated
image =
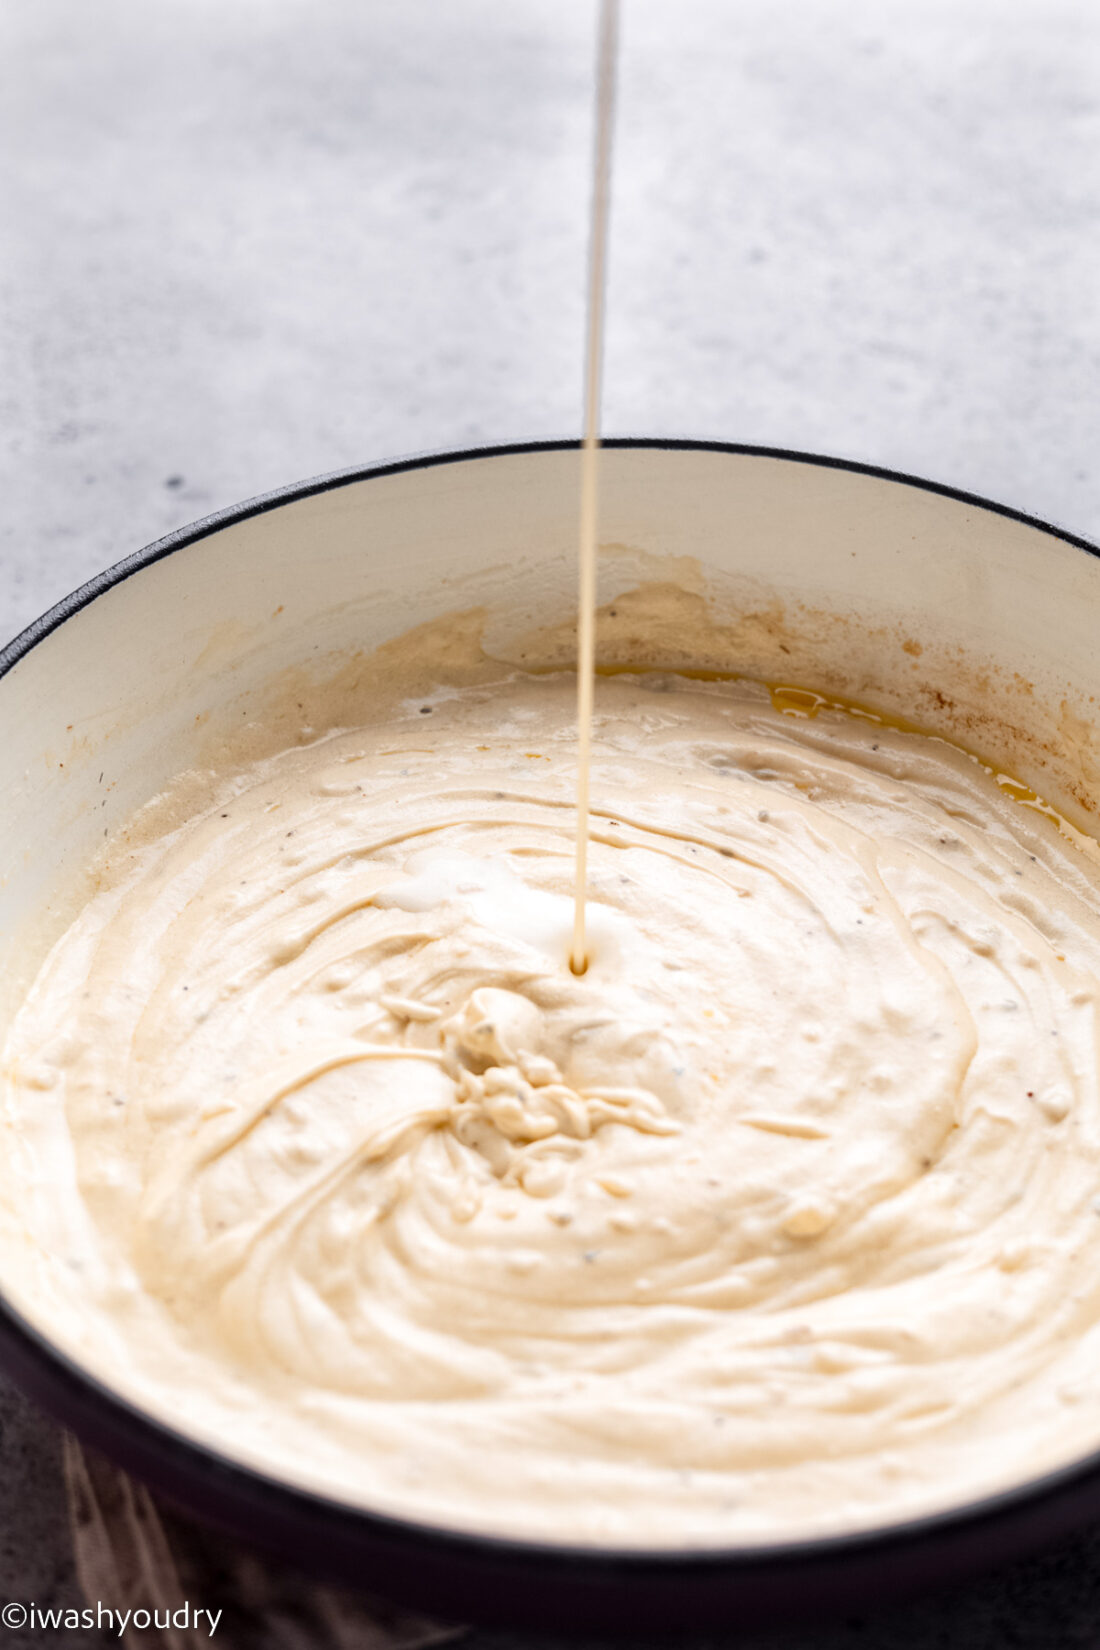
<point x="586" y="620"/>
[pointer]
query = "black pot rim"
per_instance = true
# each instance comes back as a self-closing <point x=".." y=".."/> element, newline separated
<point x="80" y="1393"/>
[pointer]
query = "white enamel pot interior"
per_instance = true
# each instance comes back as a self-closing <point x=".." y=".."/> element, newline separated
<point x="961" y="616"/>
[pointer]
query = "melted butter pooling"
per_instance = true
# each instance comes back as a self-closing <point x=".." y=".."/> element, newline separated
<point x="778" y="1220"/>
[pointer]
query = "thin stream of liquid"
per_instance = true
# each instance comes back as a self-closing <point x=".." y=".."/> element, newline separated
<point x="586" y="615"/>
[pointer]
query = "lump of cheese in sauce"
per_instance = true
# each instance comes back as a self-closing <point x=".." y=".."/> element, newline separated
<point x="781" y="1219"/>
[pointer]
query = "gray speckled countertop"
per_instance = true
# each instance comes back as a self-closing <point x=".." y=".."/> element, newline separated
<point x="246" y="243"/>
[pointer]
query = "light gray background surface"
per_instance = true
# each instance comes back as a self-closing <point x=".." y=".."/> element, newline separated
<point x="247" y="241"/>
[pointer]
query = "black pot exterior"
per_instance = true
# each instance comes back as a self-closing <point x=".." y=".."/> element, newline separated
<point x="496" y="1581"/>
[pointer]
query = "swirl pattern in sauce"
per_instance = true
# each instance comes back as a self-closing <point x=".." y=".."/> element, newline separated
<point x="779" y="1220"/>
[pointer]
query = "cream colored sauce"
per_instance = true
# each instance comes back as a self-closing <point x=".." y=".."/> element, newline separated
<point x="782" y="1219"/>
